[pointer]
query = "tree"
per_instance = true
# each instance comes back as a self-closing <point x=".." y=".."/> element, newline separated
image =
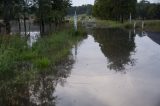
<point x="114" y="9"/>
<point x="12" y="9"/>
<point x="143" y="7"/>
<point x="147" y="10"/>
<point x="47" y="12"/>
<point x="18" y="10"/>
<point x="6" y="6"/>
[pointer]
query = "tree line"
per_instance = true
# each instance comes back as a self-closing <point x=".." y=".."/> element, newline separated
<point x="45" y="11"/>
<point x="147" y="10"/>
<point x="121" y="10"/>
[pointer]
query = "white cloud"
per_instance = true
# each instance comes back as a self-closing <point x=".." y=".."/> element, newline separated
<point x="81" y="2"/>
<point x="152" y="1"/>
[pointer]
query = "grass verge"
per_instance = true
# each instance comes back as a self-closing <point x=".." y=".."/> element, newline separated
<point x="149" y="25"/>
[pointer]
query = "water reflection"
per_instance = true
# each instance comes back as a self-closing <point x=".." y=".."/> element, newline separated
<point x="141" y="33"/>
<point x="154" y="36"/>
<point x="38" y="92"/>
<point x="93" y="84"/>
<point x="118" y="46"/>
<point x="33" y="32"/>
<point x="33" y="37"/>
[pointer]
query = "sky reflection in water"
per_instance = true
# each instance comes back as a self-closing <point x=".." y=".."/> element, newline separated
<point x="113" y="68"/>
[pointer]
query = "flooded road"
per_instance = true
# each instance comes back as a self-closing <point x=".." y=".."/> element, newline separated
<point x="113" y="68"/>
<point x="109" y="67"/>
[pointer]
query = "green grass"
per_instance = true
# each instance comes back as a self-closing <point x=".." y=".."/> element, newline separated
<point x="150" y="25"/>
<point x="107" y="23"/>
<point x="42" y="63"/>
<point x="18" y="61"/>
<point x="22" y="66"/>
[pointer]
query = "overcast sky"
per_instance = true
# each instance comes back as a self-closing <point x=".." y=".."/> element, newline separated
<point x="81" y="2"/>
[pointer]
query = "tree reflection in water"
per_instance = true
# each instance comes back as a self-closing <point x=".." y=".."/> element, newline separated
<point x="37" y="92"/>
<point x="118" y="46"/>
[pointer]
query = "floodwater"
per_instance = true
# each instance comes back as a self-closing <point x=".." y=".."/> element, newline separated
<point x="111" y="67"/>
<point x="33" y="37"/>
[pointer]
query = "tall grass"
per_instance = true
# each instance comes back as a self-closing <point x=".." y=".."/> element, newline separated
<point x="21" y="66"/>
<point x="18" y="61"/>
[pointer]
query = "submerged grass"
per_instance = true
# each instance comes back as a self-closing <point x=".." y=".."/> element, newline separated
<point x="22" y="66"/>
<point x="19" y="62"/>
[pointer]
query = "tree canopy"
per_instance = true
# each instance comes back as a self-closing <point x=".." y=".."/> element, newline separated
<point x="46" y="11"/>
<point x="147" y="10"/>
<point x="121" y="9"/>
<point x="114" y="9"/>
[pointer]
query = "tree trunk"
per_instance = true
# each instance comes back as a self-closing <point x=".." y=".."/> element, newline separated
<point x="50" y="26"/>
<point x="42" y="27"/>
<point x="8" y="27"/>
<point x="25" y="28"/>
<point x="6" y="17"/>
<point x="56" y="22"/>
<point x="41" y="22"/>
<point x="122" y="20"/>
<point x="24" y="17"/>
<point x="19" y="25"/>
<point x="29" y="26"/>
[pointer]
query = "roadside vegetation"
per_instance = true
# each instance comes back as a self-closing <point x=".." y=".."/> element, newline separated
<point x="43" y="12"/>
<point x="20" y="63"/>
<point x="123" y="10"/>
<point x="149" y="25"/>
<point x="123" y="14"/>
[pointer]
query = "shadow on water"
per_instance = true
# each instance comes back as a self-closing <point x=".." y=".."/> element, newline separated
<point x="118" y="46"/>
<point x="155" y="36"/>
